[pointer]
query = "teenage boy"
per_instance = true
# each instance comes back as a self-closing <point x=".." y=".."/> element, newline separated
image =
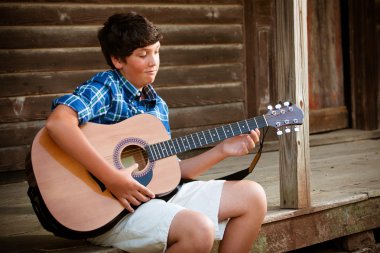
<point x="201" y="211"/>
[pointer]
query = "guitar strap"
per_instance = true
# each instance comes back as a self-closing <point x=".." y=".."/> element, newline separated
<point x="241" y="174"/>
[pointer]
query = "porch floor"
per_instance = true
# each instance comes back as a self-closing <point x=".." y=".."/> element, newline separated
<point x="345" y="194"/>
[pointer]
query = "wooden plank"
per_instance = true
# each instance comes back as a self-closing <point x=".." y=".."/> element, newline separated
<point x="199" y="74"/>
<point x="21" y="37"/>
<point x="96" y="14"/>
<point x="18" y="109"/>
<point x="27" y="60"/>
<point x="306" y="230"/>
<point x="13" y="158"/>
<point x="364" y="64"/>
<point x="200" y="95"/>
<point x="31" y="108"/>
<point x="136" y="1"/>
<point x="292" y="81"/>
<point x="328" y="119"/>
<point x="18" y="134"/>
<point x="40" y="83"/>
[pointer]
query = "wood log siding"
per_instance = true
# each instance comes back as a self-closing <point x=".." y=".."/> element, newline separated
<point x="50" y="47"/>
<point x="86" y="14"/>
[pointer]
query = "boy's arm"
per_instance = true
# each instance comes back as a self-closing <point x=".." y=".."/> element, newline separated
<point x="235" y="146"/>
<point x="62" y="126"/>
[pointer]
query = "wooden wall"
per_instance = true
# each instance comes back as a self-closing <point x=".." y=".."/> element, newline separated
<point x="50" y="47"/>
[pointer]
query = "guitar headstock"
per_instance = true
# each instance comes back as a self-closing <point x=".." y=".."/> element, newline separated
<point x="284" y="115"/>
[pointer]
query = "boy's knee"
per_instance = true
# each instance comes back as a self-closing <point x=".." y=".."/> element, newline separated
<point x="256" y="195"/>
<point x="193" y="230"/>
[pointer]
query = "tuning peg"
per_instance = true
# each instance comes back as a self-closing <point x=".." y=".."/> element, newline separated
<point x="286" y="103"/>
<point x="278" y="106"/>
<point x="270" y="107"/>
<point x="279" y="132"/>
<point x="296" y="129"/>
<point x="287" y="130"/>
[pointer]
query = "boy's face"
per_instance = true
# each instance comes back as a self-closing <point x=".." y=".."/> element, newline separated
<point x="141" y="67"/>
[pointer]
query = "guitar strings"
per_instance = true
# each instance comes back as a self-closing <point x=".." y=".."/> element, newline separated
<point x="141" y="151"/>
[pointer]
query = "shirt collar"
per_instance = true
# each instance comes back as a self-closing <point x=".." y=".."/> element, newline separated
<point x="134" y="93"/>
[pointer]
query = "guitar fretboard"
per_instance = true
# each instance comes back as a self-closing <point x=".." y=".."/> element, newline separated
<point x="199" y="139"/>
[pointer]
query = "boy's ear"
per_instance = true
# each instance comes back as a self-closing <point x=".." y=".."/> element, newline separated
<point x="116" y="62"/>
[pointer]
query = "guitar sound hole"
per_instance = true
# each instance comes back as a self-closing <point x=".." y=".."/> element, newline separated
<point x="134" y="154"/>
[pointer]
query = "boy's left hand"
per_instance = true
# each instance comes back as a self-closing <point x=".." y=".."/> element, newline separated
<point x="240" y="145"/>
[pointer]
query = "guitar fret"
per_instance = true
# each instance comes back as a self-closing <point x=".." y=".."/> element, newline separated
<point x="167" y="148"/>
<point x="218" y="134"/>
<point x="239" y="127"/>
<point x="151" y="148"/>
<point x="246" y="122"/>
<point x="206" y="142"/>
<point x="150" y="153"/>
<point x="159" y="155"/>
<point x="211" y="135"/>
<point x="193" y="141"/>
<point x="173" y="147"/>
<point x="163" y="149"/>
<point x="232" y="130"/>
<point x="197" y="143"/>
<point x="200" y="139"/>
<point x="186" y="147"/>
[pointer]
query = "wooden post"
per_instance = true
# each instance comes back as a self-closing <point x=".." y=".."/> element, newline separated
<point x="292" y="84"/>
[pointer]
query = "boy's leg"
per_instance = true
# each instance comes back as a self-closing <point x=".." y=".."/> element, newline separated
<point x="190" y="231"/>
<point x="244" y="202"/>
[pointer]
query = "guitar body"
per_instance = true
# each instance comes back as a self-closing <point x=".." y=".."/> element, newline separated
<point x="74" y="197"/>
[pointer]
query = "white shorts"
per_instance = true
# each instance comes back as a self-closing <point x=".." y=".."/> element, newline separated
<point x="146" y="230"/>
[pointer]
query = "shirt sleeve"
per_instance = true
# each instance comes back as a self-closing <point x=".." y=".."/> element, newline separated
<point x="90" y="100"/>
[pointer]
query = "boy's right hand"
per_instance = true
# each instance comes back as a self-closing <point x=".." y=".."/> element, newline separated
<point x="127" y="190"/>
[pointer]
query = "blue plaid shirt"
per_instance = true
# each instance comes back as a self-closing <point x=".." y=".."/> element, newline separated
<point x="108" y="98"/>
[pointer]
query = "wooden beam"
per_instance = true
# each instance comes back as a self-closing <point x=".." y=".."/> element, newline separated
<point x="292" y="83"/>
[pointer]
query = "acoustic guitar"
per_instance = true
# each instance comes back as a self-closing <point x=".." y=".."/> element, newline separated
<point x="81" y="203"/>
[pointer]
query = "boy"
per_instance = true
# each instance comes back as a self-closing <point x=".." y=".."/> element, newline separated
<point x="199" y="212"/>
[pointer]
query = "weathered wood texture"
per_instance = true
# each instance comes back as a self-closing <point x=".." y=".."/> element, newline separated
<point x="344" y="199"/>
<point x="364" y="64"/>
<point x="325" y="61"/>
<point x="378" y="57"/>
<point x="46" y="55"/>
<point x="326" y="93"/>
<point x="292" y="78"/>
<point x="260" y="52"/>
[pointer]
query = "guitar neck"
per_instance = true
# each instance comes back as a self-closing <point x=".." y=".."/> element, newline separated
<point x="203" y="138"/>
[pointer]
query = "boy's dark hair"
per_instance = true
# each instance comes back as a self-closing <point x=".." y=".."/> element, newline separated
<point x="123" y="33"/>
